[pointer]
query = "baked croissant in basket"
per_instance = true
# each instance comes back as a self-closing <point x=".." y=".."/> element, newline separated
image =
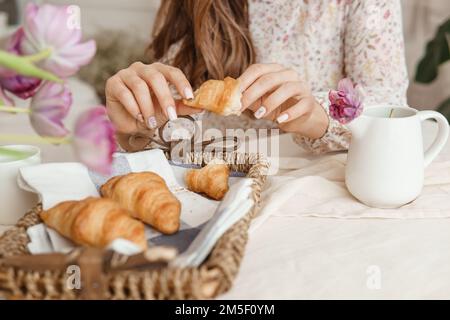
<point x="211" y="180"/>
<point x="94" y="222"/>
<point x="221" y="97"/>
<point x="148" y="198"/>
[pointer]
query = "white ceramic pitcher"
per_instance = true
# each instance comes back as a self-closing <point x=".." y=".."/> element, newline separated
<point x="386" y="161"/>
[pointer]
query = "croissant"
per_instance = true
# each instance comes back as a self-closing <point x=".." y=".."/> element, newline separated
<point x="148" y="198"/>
<point x="211" y="180"/>
<point x="221" y="97"/>
<point x="94" y="222"/>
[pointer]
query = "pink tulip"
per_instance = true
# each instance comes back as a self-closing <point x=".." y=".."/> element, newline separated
<point x="49" y="107"/>
<point x="346" y="102"/>
<point x="14" y="43"/>
<point x="12" y="46"/>
<point x="21" y="86"/>
<point x="51" y="27"/>
<point x="94" y="140"/>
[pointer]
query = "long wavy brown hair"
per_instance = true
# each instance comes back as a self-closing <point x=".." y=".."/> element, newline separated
<point x="213" y="36"/>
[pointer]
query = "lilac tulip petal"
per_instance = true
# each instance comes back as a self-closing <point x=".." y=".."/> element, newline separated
<point x="81" y="53"/>
<point x="61" y="67"/>
<point x="31" y="10"/>
<point x="70" y="60"/>
<point x="6" y="73"/>
<point x="94" y="140"/>
<point x="66" y="36"/>
<point x="349" y="112"/>
<point x="345" y="85"/>
<point x="346" y="102"/>
<point x="4" y="97"/>
<point x="20" y="86"/>
<point x="49" y="26"/>
<point x="49" y="107"/>
<point x="47" y="128"/>
<point x="13" y="43"/>
<point x="333" y="95"/>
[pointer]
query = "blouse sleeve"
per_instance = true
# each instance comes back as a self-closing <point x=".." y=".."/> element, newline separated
<point x="374" y="57"/>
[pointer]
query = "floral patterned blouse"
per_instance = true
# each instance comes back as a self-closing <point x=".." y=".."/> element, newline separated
<point x="325" y="41"/>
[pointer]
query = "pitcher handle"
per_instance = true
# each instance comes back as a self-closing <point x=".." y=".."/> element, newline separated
<point x="441" y="138"/>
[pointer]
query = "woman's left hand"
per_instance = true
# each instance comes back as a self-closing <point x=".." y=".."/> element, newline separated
<point x="276" y="93"/>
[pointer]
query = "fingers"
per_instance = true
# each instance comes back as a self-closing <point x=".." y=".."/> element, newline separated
<point x="278" y="97"/>
<point x="176" y="77"/>
<point x="255" y="71"/>
<point x="156" y="81"/>
<point x="300" y="109"/>
<point x="123" y="121"/>
<point x="117" y="91"/>
<point x="266" y="84"/>
<point x="141" y="93"/>
<point x="156" y="76"/>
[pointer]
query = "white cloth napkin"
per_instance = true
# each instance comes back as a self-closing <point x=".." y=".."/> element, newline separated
<point x="237" y="202"/>
<point x="317" y="189"/>
<point x="57" y="182"/>
<point x="46" y="240"/>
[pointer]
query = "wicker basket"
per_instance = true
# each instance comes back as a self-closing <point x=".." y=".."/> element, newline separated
<point x="24" y="276"/>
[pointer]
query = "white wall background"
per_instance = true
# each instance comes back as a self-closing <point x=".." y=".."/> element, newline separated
<point x="135" y="16"/>
<point x="421" y="17"/>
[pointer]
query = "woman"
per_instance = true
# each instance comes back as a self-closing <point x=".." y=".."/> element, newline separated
<point x="287" y="54"/>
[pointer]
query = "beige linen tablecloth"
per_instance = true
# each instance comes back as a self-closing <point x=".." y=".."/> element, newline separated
<point x="317" y="189"/>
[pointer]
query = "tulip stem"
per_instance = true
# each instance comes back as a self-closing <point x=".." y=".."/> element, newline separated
<point x="34" y="139"/>
<point x="23" y="66"/>
<point x="39" y="56"/>
<point x="14" y="109"/>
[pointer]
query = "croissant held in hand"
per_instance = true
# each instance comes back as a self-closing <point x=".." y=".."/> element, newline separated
<point x="94" y="222"/>
<point x="147" y="197"/>
<point x="221" y="97"/>
<point x="211" y="180"/>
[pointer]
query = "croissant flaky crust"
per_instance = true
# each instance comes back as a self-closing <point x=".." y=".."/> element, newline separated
<point x="211" y="180"/>
<point x="148" y="198"/>
<point x="94" y="222"/>
<point x="221" y="97"/>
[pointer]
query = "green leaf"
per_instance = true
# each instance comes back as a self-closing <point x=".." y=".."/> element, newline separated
<point x="444" y="108"/>
<point x="25" y="67"/>
<point x="437" y="53"/>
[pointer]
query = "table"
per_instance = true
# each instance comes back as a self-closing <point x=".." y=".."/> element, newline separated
<point x="318" y="258"/>
<point x="347" y="259"/>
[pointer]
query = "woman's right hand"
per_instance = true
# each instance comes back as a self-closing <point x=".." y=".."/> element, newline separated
<point x="140" y="95"/>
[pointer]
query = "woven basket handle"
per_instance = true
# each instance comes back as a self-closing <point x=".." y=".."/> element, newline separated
<point x="90" y="261"/>
<point x="93" y="264"/>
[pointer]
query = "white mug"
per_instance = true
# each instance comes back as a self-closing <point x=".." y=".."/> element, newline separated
<point x="386" y="160"/>
<point x="15" y="202"/>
